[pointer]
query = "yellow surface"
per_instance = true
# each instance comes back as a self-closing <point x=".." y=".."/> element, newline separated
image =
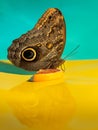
<point x="63" y="104"/>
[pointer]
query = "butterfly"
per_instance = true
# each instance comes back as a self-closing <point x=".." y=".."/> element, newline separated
<point x="41" y="47"/>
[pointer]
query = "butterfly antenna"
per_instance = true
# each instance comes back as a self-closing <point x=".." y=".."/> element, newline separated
<point x="72" y="52"/>
<point x="62" y="66"/>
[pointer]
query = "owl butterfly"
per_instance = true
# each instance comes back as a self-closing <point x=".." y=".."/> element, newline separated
<point x="41" y="47"/>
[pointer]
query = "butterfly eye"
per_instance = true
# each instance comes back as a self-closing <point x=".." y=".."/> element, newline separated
<point x="28" y="54"/>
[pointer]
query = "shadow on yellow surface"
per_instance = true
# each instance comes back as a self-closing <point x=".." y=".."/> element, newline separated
<point x="70" y="104"/>
<point x="6" y="67"/>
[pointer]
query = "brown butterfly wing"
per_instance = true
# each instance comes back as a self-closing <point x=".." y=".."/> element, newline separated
<point x="47" y="39"/>
<point x="53" y="26"/>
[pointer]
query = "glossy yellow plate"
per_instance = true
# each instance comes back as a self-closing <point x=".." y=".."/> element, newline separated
<point x="69" y="102"/>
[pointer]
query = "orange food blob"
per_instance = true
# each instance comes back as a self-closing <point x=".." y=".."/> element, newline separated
<point x="48" y="74"/>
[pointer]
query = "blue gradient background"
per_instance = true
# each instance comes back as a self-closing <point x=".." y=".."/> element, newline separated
<point x="19" y="16"/>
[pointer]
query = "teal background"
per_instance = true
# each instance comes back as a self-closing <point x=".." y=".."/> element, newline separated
<point x="19" y="16"/>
